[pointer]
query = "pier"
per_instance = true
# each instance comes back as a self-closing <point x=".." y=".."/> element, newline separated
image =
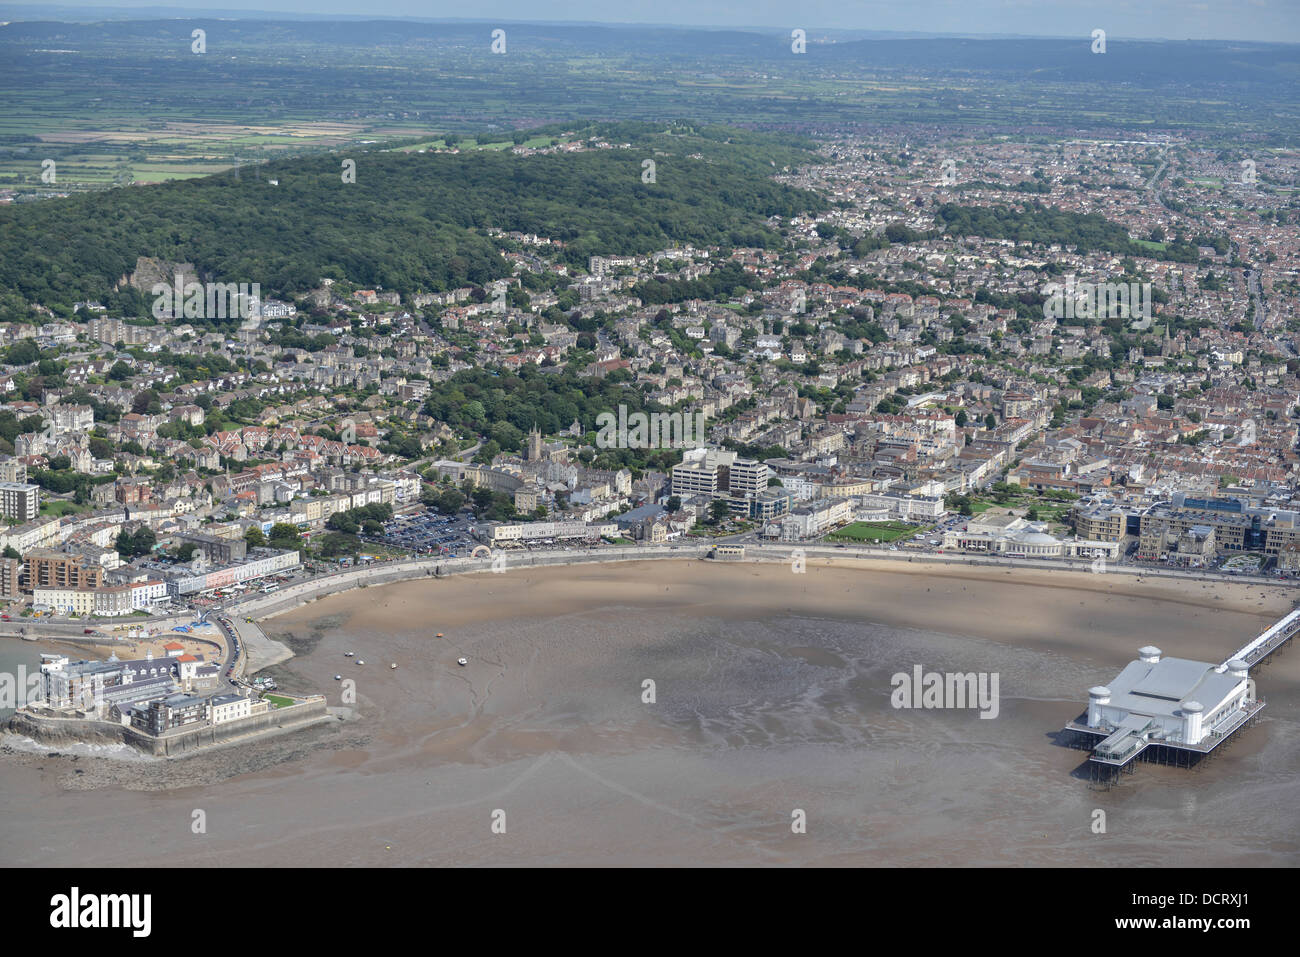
<point x="1254" y="652"/>
<point x="1153" y="713"/>
<point x="1117" y="753"/>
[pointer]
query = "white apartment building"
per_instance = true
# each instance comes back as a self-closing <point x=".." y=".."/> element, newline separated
<point x="144" y="595"/>
<point x="231" y="707"/>
<point x="536" y="531"/>
<point x="20" y="501"/>
<point x="233" y="574"/>
<point x="68" y="601"/>
<point x="813" y="520"/>
<point x="904" y="506"/>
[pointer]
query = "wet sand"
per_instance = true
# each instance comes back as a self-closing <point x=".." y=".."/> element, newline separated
<point x="771" y="694"/>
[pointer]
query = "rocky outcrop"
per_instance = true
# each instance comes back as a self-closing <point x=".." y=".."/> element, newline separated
<point x="149" y="271"/>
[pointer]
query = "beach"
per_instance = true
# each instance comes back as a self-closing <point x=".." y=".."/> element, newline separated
<point x="771" y="700"/>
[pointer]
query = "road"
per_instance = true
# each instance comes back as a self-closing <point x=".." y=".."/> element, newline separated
<point x="228" y="661"/>
<point x="1256" y="289"/>
<point x="1157" y="194"/>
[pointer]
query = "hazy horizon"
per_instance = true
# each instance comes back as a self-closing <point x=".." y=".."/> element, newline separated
<point x="1265" y="21"/>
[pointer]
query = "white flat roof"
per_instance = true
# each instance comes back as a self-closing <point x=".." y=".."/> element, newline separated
<point x="1162" y="687"/>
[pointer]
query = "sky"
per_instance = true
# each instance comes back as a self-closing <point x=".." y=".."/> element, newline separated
<point x="1265" y="20"/>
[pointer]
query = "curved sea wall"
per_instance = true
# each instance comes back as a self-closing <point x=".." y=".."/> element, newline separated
<point x="382" y="573"/>
<point x="291" y="596"/>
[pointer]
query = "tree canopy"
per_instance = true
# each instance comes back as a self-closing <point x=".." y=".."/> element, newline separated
<point x="410" y="222"/>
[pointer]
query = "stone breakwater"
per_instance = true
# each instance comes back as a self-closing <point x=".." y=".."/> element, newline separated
<point x="56" y="731"/>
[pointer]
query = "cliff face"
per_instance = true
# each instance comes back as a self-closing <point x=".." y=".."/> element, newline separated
<point x="149" y="271"/>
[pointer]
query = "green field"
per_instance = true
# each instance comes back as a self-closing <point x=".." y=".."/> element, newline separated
<point x="1046" y="510"/>
<point x="91" y="155"/>
<point x="125" y="101"/>
<point x="1048" y="506"/>
<point x="278" y="701"/>
<point x="470" y="143"/>
<point x="872" y="532"/>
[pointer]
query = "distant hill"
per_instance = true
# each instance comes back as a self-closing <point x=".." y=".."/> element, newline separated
<point x="1125" y="62"/>
<point x="410" y="222"/>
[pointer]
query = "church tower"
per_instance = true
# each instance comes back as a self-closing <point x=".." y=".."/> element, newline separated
<point x="534" y="445"/>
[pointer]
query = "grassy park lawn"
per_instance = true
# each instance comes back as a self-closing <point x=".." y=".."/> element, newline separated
<point x="57" y="508"/>
<point x="871" y="532"/>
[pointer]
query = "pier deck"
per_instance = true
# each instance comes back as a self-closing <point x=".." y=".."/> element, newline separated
<point x="1133" y="744"/>
<point x="1270" y="641"/>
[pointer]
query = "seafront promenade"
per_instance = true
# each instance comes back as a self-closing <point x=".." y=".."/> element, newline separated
<point x="265" y="606"/>
<point x="263" y="652"/>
